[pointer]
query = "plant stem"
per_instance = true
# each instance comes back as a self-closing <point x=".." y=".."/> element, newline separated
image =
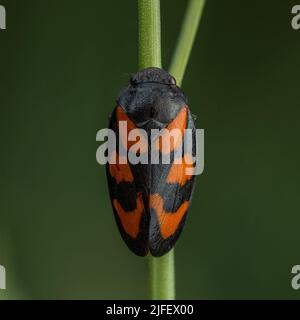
<point x="186" y="39"/>
<point x="162" y="277"/>
<point x="162" y="270"/>
<point x="149" y="34"/>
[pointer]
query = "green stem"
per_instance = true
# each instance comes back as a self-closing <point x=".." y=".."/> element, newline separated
<point x="186" y="39"/>
<point x="162" y="273"/>
<point x="162" y="277"/>
<point x="162" y="270"/>
<point x="149" y="34"/>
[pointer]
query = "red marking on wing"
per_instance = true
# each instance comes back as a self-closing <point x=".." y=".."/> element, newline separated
<point x="121" y="172"/>
<point x="143" y="142"/>
<point x="130" y="220"/>
<point x="167" y="143"/>
<point x="177" y="173"/>
<point x="168" y="221"/>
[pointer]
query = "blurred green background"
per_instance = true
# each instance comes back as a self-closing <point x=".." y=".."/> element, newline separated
<point x="62" y="64"/>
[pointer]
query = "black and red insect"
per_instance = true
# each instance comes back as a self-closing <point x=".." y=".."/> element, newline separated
<point x="150" y="201"/>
